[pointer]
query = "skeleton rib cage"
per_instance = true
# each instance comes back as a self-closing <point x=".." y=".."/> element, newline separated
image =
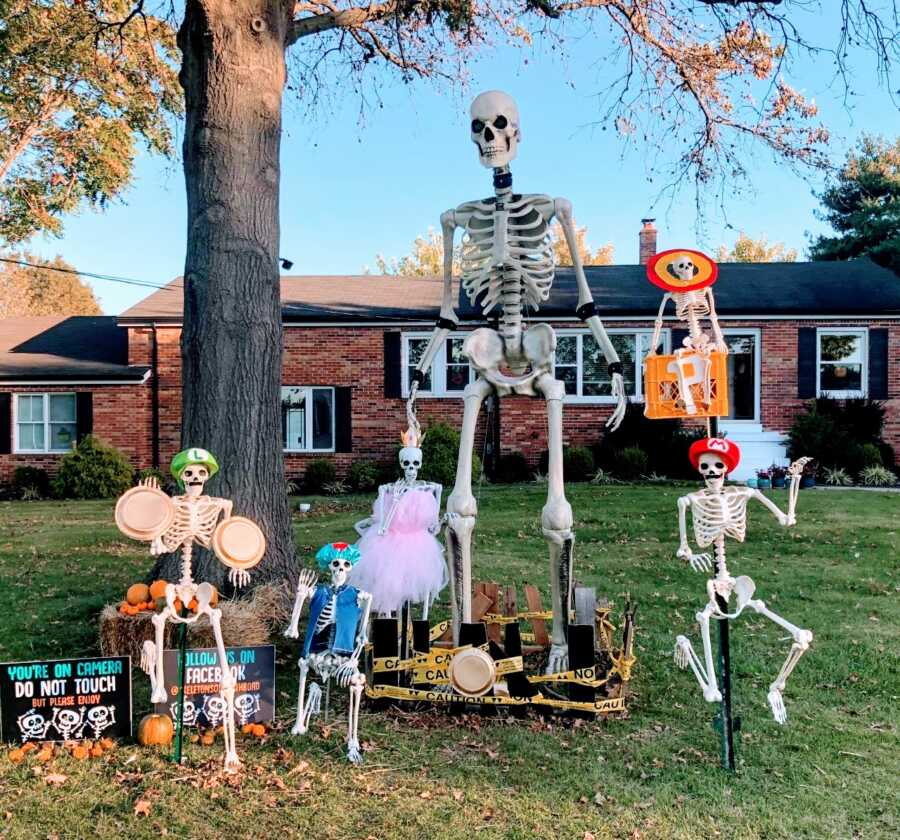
<point x="719" y="514"/>
<point x="192" y="521"/>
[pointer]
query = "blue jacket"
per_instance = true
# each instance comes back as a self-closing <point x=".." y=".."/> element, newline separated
<point x="348" y="614"/>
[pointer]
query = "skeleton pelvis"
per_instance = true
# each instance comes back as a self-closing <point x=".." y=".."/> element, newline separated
<point x="488" y="353"/>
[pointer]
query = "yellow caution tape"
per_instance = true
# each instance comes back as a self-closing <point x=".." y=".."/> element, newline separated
<point x="528" y="615"/>
<point x="509" y="666"/>
<point x="438" y="630"/>
<point x="580" y="676"/>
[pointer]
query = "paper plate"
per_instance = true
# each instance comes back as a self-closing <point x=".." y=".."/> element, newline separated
<point x="472" y="672"/>
<point x="144" y="513"/>
<point x="705" y="270"/>
<point x="238" y="542"/>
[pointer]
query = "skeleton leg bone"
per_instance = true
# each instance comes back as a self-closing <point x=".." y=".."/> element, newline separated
<point x="556" y="523"/>
<point x="685" y="655"/>
<point x="158" y="683"/>
<point x="802" y="640"/>
<point x="357" y="684"/>
<point x="302" y="722"/>
<point x="226" y="687"/>
<point x="462" y="509"/>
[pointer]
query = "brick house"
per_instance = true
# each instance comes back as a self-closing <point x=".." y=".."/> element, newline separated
<point x="795" y="330"/>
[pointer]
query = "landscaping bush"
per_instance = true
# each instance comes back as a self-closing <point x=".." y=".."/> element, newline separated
<point x="837" y="477"/>
<point x="876" y="476"/>
<point x="92" y="470"/>
<point x="871" y="455"/>
<point x="512" y="468"/>
<point x="319" y="472"/>
<point x="439" y="453"/>
<point x="363" y="476"/>
<point x="30" y="483"/>
<point x="631" y="463"/>
<point x="578" y="463"/>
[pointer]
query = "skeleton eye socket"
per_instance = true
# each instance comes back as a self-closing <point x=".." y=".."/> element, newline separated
<point x="406" y="463"/>
<point x="719" y="465"/>
<point x="477" y="126"/>
<point x="501" y="122"/>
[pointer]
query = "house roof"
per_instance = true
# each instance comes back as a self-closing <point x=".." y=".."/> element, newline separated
<point x="855" y="287"/>
<point x="65" y="347"/>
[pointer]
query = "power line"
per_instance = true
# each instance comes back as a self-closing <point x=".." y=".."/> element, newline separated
<point x="111" y="278"/>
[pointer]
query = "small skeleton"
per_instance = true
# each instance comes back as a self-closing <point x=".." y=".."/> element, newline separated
<point x="336" y="636"/>
<point x="410" y="459"/>
<point x="33" y="726"/>
<point x="690" y="307"/>
<point x="508" y="267"/>
<point x="718" y="513"/>
<point x="68" y="723"/>
<point x="215" y="709"/>
<point x="100" y="718"/>
<point x="246" y="706"/>
<point x="191" y="712"/>
<point x="196" y="518"/>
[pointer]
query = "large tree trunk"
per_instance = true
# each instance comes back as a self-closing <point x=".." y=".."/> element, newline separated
<point x="233" y="75"/>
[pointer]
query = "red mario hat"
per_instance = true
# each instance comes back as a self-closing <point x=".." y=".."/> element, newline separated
<point x="725" y="449"/>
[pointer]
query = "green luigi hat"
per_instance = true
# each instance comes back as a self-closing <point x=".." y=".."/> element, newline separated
<point x="194" y="455"/>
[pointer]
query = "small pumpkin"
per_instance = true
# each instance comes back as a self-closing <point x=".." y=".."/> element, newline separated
<point x="258" y="730"/>
<point x="15" y="756"/>
<point x="207" y="739"/>
<point x="158" y="589"/>
<point x="29" y="746"/>
<point x="155" y="729"/>
<point x="80" y="752"/>
<point x="45" y="754"/>
<point x="137" y="594"/>
<point x="96" y="751"/>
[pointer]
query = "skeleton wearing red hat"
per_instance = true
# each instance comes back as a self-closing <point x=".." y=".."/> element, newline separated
<point x="719" y="512"/>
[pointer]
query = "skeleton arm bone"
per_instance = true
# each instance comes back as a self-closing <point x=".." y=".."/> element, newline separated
<point x="699" y="562"/>
<point x="721" y="346"/>
<point x="657" y="325"/>
<point x="304" y="591"/>
<point x="587" y="312"/>
<point x="782" y="518"/>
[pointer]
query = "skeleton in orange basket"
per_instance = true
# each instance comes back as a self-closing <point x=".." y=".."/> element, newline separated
<point x="687" y="278"/>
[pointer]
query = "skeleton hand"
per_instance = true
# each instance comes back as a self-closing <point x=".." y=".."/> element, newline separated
<point x="152" y="482"/>
<point x="796" y="468"/>
<point x="238" y="577"/>
<point x="346" y="671"/>
<point x="157" y="547"/>
<point x="698" y="562"/>
<point x="618" y="393"/>
<point x="304" y="591"/>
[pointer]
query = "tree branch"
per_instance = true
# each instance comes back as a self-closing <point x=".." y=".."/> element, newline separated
<point x="335" y="19"/>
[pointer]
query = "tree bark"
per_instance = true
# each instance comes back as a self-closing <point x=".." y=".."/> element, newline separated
<point x="233" y="74"/>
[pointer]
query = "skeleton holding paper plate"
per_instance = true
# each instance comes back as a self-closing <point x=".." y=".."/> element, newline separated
<point x="171" y="524"/>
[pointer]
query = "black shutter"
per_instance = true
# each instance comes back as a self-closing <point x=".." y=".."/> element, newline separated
<point x="5" y="424"/>
<point x="84" y="414"/>
<point x="392" y="366"/>
<point x="343" y="420"/>
<point x="878" y="364"/>
<point x="678" y="337"/>
<point x="806" y="363"/>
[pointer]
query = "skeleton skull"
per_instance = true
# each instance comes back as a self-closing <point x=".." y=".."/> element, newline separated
<point x="340" y="569"/>
<point x="101" y="717"/>
<point x="495" y="128"/>
<point x="194" y="478"/>
<point x="33" y="725"/>
<point x="411" y="461"/>
<point x="713" y="469"/>
<point x="683" y="268"/>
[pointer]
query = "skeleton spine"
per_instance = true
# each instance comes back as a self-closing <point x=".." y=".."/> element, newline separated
<point x="721" y="568"/>
<point x="511" y="285"/>
<point x="187" y="548"/>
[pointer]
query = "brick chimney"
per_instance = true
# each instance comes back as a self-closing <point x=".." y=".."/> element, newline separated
<point x="647" y="241"/>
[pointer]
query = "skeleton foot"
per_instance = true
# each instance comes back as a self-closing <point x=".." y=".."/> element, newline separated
<point x="558" y="660"/>
<point x="776" y="703"/>
<point x="682" y="656"/>
<point x="685" y="656"/>
<point x="313" y="707"/>
<point x="354" y="756"/>
<point x="148" y="658"/>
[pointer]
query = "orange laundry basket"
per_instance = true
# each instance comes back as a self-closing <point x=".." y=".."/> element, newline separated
<point x="662" y="395"/>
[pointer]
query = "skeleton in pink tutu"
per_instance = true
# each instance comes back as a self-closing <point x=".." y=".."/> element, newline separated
<point x="401" y="560"/>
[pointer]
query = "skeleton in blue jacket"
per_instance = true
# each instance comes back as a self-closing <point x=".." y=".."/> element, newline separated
<point x="336" y="635"/>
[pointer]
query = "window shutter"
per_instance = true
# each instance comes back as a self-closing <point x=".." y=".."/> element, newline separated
<point x="678" y="337"/>
<point x="84" y="414"/>
<point x="343" y="420"/>
<point x="878" y="364"/>
<point x="806" y="363"/>
<point x="392" y="367"/>
<point x="5" y="424"/>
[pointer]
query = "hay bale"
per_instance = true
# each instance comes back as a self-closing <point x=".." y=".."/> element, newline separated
<point x="249" y="621"/>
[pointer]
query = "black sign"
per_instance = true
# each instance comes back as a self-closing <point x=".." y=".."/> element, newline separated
<point x="66" y="699"/>
<point x="254" y="693"/>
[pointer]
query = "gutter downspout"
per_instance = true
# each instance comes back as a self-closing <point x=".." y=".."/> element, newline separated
<point x="154" y="361"/>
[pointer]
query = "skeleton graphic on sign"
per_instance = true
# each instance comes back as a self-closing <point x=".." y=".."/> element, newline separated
<point x="508" y="269"/>
<point x="720" y="512"/>
<point x="68" y="723"/>
<point x="100" y="718"/>
<point x="146" y="513"/>
<point x="33" y="726"/>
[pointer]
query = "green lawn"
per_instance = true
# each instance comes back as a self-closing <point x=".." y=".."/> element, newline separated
<point x="827" y="774"/>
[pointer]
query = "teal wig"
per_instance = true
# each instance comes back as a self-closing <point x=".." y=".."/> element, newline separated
<point x="343" y="551"/>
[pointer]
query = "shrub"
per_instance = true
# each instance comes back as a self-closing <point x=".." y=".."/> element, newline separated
<point x="512" y="468"/>
<point x="291" y="487"/>
<point x="602" y="477"/>
<point x="319" y="472"/>
<point x="888" y="456"/>
<point x="440" y="449"/>
<point x="862" y="417"/>
<point x="631" y="463"/>
<point x="30" y="482"/>
<point x="578" y="463"/>
<point x="92" y="470"/>
<point x="363" y="476"/>
<point x="837" y="477"/>
<point x="878" y="477"/>
<point x="871" y="455"/>
<point x="335" y="488"/>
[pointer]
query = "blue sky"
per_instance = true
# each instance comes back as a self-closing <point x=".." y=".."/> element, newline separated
<point x="351" y="190"/>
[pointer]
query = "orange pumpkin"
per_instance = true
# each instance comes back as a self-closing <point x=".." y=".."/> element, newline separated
<point x="15" y="756"/>
<point x="45" y="754"/>
<point x="28" y="746"/>
<point x="80" y="752"/>
<point x="96" y="751"/>
<point x="259" y="730"/>
<point x="158" y="589"/>
<point x="207" y="739"/>
<point x="137" y="594"/>
<point x="155" y="729"/>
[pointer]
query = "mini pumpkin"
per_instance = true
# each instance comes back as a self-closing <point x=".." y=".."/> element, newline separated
<point x="155" y="729"/>
<point x="15" y="756"/>
<point x="80" y="752"/>
<point x="137" y="594"/>
<point x="158" y="589"/>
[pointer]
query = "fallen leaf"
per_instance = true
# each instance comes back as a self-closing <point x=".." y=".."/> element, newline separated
<point x="142" y="808"/>
<point x="589" y="835"/>
<point x="425" y="794"/>
<point x="458" y="794"/>
<point x="56" y="778"/>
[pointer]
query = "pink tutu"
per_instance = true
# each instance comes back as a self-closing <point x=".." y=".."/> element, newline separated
<point x="406" y="563"/>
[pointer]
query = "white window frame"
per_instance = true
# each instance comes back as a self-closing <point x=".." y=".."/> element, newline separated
<point x="47" y="437"/>
<point x="578" y="398"/>
<point x="308" y="431"/>
<point x="438" y="366"/>
<point x="757" y="374"/>
<point x="863" y="334"/>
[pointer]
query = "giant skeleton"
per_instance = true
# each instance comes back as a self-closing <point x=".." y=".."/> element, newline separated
<point x="720" y="513"/>
<point x="507" y="267"/>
